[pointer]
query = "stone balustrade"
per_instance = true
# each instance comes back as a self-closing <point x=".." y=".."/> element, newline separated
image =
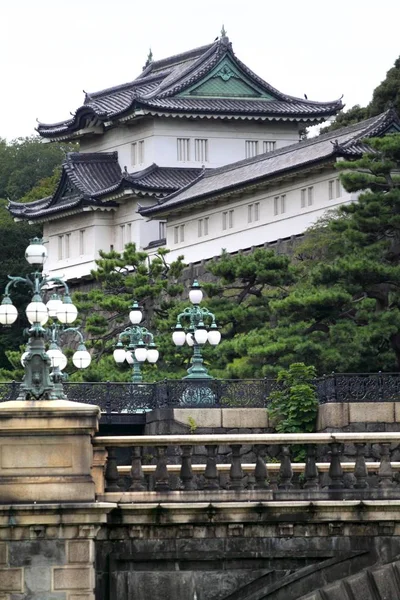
<point x="179" y="474"/>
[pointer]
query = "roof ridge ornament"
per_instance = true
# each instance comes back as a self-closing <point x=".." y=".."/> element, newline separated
<point x="149" y="59"/>
<point x="223" y="31"/>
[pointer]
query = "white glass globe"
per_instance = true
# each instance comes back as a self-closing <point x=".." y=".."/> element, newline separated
<point x="8" y="314"/>
<point x="63" y="363"/>
<point x="201" y="335"/>
<point x="119" y="354"/>
<point x="179" y="337"/>
<point x="190" y="339"/>
<point x="36" y="312"/>
<point x="67" y="313"/>
<point x="136" y="315"/>
<point x="36" y="252"/>
<point x="56" y="357"/>
<point x="53" y="305"/>
<point x="129" y="357"/>
<point x="195" y="295"/>
<point x="81" y="359"/>
<point x="214" y="337"/>
<point x="23" y="357"/>
<point x="152" y="354"/>
<point x="141" y="353"/>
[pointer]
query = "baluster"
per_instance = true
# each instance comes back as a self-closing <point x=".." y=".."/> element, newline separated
<point x="285" y="470"/>
<point x="186" y="473"/>
<point x="111" y="473"/>
<point x="211" y="472"/>
<point x="311" y="474"/>
<point x="161" y="473"/>
<point x="335" y="468"/>
<point x="385" y="472"/>
<point x="236" y="472"/>
<point x="360" y="469"/>
<point x="137" y="471"/>
<point x="260" y="470"/>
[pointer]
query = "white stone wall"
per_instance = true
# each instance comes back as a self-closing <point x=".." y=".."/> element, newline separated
<point x="270" y="226"/>
<point x="226" y="140"/>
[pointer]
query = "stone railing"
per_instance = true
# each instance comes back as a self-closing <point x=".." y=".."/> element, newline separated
<point x="187" y="464"/>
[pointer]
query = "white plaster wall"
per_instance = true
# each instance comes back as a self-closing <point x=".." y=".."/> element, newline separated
<point x="244" y="235"/>
<point x="226" y="140"/>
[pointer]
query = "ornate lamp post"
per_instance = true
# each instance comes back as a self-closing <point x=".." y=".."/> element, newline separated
<point x="140" y="345"/>
<point x="201" y="328"/>
<point x="38" y="383"/>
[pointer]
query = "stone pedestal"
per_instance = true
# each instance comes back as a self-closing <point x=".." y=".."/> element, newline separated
<point x="46" y="452"/>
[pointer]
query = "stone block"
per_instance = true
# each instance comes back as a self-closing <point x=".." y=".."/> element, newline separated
<point x="368" y="412"/>
<point x="397" y="412"/>
<point x="335" y="414"/>
<point x="80" y="551"/>
<point x="36" y="553"/>
<point x="3" y="553"/>
<point x="202" y="417"/>
<point x="11" y="580"/>
<point x="241" y="418"/>
<point x="38" y="579"/>
<point x="73" y="578"/>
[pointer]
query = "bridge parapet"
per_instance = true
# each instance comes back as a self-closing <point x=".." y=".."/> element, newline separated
<point x="179" y="474"/>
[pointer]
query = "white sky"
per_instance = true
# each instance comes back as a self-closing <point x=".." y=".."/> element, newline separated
<point x="53" y="49"/>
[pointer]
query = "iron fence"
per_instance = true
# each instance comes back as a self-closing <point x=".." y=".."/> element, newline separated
<point x="127" y="398"/>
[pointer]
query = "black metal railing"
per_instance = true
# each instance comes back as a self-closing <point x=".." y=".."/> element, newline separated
<point x="219" y="393"/>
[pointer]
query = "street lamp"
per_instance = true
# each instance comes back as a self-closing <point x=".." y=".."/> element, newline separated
<point x="140" y="345"/>
<point x="38" y="383"/>
<point x="201" y="328"/>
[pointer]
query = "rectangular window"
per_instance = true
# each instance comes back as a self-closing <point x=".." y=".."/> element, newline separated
<point x="206" y="226"/>
<point x="331" y="189"/>
<point x="338" y="188"/>
<point x="81" y="242"/>
<point x="129" y="233"/>
<point x="269" y="146"/>
<point x="250" y="213"/>
<point x="137" y="152"/>
<point x="310" y="196"/>
<point x="224" y="220"/>
<point x="251" y="148"/>
<point x="60" y="247"/>
<point x="199" y="227"/>
<point x="67" y="245"/>
<point x="122" y="236"/>
<point x="279" y="204"/>
<point x="176" y="235"/>
<point x="183" y="149"/>
<point x="231" y="219"/>
<point x="303" y="194"/>
<point x="161" y="230"/>
<point x="182" y="233"/>
<point x="201" y="150"/>
<point x="257" y="211"/>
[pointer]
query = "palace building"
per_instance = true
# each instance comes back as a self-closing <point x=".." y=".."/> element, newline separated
<point x="197" y="154"/>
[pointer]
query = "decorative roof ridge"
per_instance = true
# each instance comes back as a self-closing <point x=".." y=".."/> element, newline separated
<point x="132" y="177"/>
<point x="377" y="125"/>
<point x="79" y="113"/>
<point x="216" y="51"/>
<point x="75" y="157"/>
<point x="176" y="59"/>
<point x="33" y="203"/>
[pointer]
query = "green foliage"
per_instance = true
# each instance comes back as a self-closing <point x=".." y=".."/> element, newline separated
<point x="386" y="94"/>
<point x="294" y="407"/>
<point x="192" y="425"/>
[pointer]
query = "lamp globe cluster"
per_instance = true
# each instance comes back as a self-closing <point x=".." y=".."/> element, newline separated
<point x="197" y="331"/>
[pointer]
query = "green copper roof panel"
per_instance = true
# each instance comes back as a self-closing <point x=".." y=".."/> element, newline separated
<point x="226" y="81"/>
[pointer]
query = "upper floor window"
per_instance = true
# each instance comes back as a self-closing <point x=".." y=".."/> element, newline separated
<point x="60" y="247"/>
<point x="251" y="148"/>
<point x="227" y="219"/>
<point x="137" y="150"/>
<point x="202" y="227"/>
<point x="253" y="212"/>
<point x="82" y="236"/>
<point x="183" y="149"/>
<point x="162" y="230"/>
<point x="307" y="197"/>
<point x="201" y="150"/>
<point x="67" y="245"/>
<point x="268" y="146"/>
<point x="279" y="204"/>
<point x="335" y="189"/>
<point x="310" y="196"/>
<point x="179" y="234"/>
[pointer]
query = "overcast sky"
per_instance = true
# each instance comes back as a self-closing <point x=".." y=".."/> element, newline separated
<point x="51" y="50"/>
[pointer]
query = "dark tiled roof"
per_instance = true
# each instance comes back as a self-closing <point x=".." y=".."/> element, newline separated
<point x="157" y="88"/>
<point x="88" y="179"/>
<point x="345" y="141"/>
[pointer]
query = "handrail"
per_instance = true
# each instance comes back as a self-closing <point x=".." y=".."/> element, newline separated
<point x="244" y="438"/>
